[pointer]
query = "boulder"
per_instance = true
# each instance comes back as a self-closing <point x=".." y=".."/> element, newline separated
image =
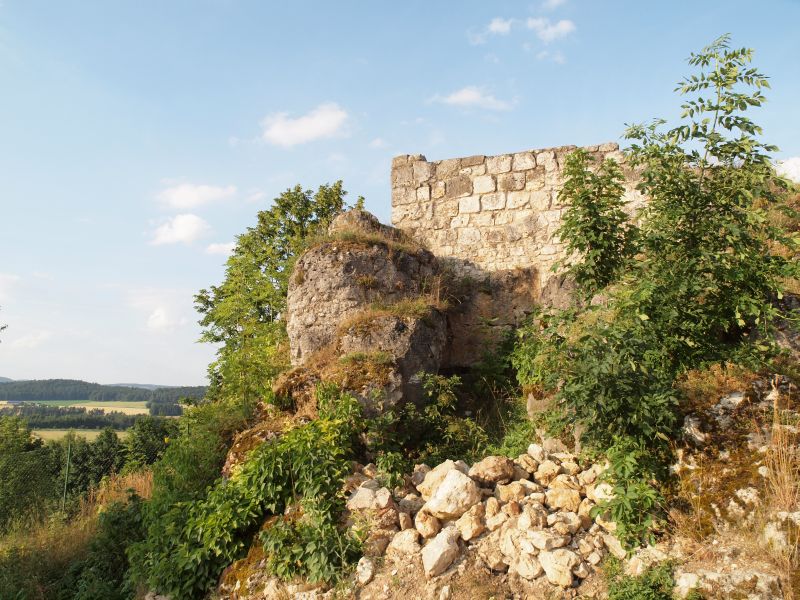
<point x="489" y="552"/>
<point x="338" y="278"/>
<point x="435" y="476"/>
<point x="404" y="543"/>
<point x="427" y="525"/>
<point x="558" y="566"/>
<point x="563" y="498"/>
<point x="365" y="570"/>
<point x="440" y="552"/>
<point x="454" y="496"/>
<point x="546" y="472"/>
<point x="471" y="523"/>
<point x="493" y="470"/>
<point x="366" y="498"/>
<point x="547" y="540"/>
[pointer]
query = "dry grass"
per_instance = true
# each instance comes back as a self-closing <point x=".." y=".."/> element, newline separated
<point x="412" y="308"/>
<point x="714" y="481"/>
<point x="392" y="239"/>
<point x="783" y="491"/>
<point x="117" y="488"/>
<point x="700" y="389"/>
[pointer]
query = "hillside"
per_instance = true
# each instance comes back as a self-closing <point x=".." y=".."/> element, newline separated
<point x="4" y="379"/>
<point x="75" y="389"/>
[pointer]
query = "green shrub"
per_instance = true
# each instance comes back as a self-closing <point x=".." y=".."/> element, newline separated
<point x="191" y="543"/>
<point x="600" y="239"/>
<point x="701" y="290"/>
<point x="656" y="583"/>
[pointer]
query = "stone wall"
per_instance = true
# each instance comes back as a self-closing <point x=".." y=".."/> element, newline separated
<point x="493" y="219"/>
<point x="490" y="213"/>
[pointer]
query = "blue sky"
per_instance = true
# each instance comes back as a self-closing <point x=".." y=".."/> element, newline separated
<point x="137" y="138"/>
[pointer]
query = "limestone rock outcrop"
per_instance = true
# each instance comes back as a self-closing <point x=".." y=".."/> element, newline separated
<point x="360" y="313"/>
<point x="335" y="280"/>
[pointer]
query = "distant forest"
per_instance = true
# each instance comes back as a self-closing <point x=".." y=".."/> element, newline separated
<point x="38" y="416"/>
<point x="73" y="389"/>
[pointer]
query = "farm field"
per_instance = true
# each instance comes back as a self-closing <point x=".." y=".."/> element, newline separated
<point x="57" y="434"/>
<point x="128" y="408"/>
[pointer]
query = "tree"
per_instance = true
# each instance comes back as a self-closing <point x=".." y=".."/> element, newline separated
<point x="148" y="439"/>
<point x="704" y="283"/>
<point x="27" y="482"/>
<point x="599" y="236"/>
<point x="243" y="314"/>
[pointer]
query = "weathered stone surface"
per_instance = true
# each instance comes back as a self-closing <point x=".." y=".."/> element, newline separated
<point x="440" y="552"/>
<point x="427" y="525"/>
<point x="490" y="554"/>
<point x="454" y="496"/>
<point x="546" y="472"/>
<point x="471" y="524"/>
<point x="415" y="344"/>
<point x="492" y="470"/>
<point x="436" y="475"/>
<point x="332" y="288"/>
<point x="404" y="543"/>
<point x="547" y="540"/>
<point x="366" y="498"/>
<point x="405" y="521"/>
<point x="558" y="566"/>
<point x="365" y="570"/>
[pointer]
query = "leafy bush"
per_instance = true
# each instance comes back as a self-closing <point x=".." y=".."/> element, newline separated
<point x="600" y="239"/>
<point x="190" y="544"/>
<point x="702" y="286"/>
<point x="656" y="583"/>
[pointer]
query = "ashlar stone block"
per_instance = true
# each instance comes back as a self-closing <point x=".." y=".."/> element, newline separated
<point x="423" y="171"/>
<point x="495" y="201"/>
<point x="511" y="182"/>
<point x="498" y="164"/>
<point x="483" y="184"/>
<point x="524" y="161"/>
<point x="470" y="204"/>
<point x="517" y="200"/>
<point x="458" y="186"/>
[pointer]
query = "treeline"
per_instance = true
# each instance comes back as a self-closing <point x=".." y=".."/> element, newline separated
<point x="41" y="416"/>
<point x="74" y="389"/>
<point x="34" y="476"/>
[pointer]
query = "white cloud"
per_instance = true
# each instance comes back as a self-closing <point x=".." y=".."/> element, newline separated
<point x="31" y="340"/>
<point x="789" y="168"/>
<point x="325" y="121"/>
<point x="473" y="97"/>
<point x="378" y="143"/>
<point x="553" y="4"/>
<point x="161" y="321"/>
<point x="222" y="248"/>
<point x="500" y="26"/>
<point x="7" y="281"/>
<point x="497" y="26"/>
<point x="189" y="195"/>
<point x="548" y="31"/>
<point x="184" y="229"/>
<point x="255" y="196"/>
<point x="556" y="57"/>
<point x="165" y="309"/>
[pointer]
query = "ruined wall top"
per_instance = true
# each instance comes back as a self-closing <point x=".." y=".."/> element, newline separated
<point x="490" y="213"/>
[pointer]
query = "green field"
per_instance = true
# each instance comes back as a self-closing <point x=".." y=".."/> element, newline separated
<point x="128" y="408"/>
<point x="57" y="434"/>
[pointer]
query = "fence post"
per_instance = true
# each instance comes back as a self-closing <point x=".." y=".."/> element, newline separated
<point x="66" y="474"/>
